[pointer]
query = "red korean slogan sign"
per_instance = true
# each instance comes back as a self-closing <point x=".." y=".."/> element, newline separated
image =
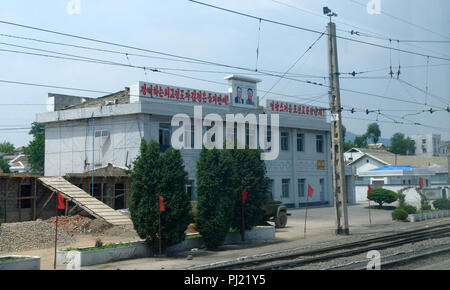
<point x="193" y="96"/>
<point x="292" y="108"/>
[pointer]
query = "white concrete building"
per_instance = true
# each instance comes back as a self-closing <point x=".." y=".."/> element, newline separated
<point x="80" y="131"/>
<point x="429" y="145"/>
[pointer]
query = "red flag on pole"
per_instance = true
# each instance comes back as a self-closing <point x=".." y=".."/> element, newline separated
<point x="60" y="201"/>
<point x="244" y="196"/>
<point x="421" y="183"/>
<point x="369" y="190"/>
<point x="310" y="191"/>
<point x="162" y="207"/>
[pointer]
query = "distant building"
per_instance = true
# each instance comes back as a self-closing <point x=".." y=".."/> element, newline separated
<point x="429" y="145"/>
<point x="380" y="168"/>
<point x="19" y="164"/>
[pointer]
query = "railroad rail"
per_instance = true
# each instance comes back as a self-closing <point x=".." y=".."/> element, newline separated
<point x="303" y="258"/>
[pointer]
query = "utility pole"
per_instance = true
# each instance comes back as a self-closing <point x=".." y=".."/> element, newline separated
<point x="93" y="154"/>
<point x="448" y="161"/>
<point x="337" y="151"/>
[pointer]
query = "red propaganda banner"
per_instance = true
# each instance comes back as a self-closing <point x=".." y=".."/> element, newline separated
<point x="310" y="191"/>
<point x="162" y="207"/>
<point x="186" y="95"/>
<point x="421" y="183"/>
<point x="298" y="109"/>
<point x="244" y="196"/>
<point x="60" y="201"/>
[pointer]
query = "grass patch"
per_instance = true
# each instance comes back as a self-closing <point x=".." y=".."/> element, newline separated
<point x="107" y="246"/>
<point x="385" y="207"/>
<point x="193" y="236"/>
<point x="9" y="259"/>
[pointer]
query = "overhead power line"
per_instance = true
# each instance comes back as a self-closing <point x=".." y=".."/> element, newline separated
<point x="105" y="62"/>
<point x="405" y="21"/>
<point x="315" y="31"/>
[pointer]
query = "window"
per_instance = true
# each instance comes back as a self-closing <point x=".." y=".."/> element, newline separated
<point x="285" y="188"/>
<point x="427" y="183"/>
<point x="322" y="189"/>
<point x="301" y="187"/>
<point x="25" y="191"/>
<point x="319" y="144"/>
<point x="164" y="136"/>
<point x="284" y="141"/>
<point x="101" y="133"/>
<point x="300" y="142"/>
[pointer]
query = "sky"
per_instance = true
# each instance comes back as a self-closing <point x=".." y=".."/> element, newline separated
<point x="184" y="28"/>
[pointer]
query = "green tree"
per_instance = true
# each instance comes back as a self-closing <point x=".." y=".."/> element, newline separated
<point x="35" y="151"/>
<point x="216" y="192"/>
<point x="373" y="132"/>
<point x="4" y="165"/>
<point x="6" y="148"/>
<point x="251" y="177"/>
<point x="361" y="141"/>
<point x="153" y="174"/>
<point x="402" y="146"/>
<point x="349" y="145"/>
<point x="382" y="196"/>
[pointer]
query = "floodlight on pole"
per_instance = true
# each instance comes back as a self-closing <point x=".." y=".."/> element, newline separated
<point x="327" y="11"/>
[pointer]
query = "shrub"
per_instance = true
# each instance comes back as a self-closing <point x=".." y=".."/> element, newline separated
<point x="399" y="215"/>
<point x="152" y="175"/>
<point x="409" y="209"/>
<point x="382" y="196"/>
<point x="426" y="206"/>
<point x="216" y="193"/>
<point x="442" y="204"/>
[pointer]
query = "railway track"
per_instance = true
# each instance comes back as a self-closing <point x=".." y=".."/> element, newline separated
<point x="303" y="258"/>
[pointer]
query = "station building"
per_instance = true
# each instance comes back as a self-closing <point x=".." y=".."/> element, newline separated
<point x="83" y="133"/>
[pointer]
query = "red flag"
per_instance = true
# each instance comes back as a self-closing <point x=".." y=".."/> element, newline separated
<point x="244" y="196"/>
<point x="60" y="201"/>
<point x="369" y="190"/>
<point x="310" y="191"/>
<point x="162" y="207"/>
<point x="421" y="182"/>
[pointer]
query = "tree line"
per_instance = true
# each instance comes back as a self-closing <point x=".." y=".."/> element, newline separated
<point x="399" y="143"/>
<point x="221" y="175"/>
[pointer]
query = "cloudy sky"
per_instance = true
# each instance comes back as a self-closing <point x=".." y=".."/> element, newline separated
<point x="184" y="28"/>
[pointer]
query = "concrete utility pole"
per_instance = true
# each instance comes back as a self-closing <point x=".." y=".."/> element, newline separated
<point x="337" y="151"/>
<point x="448" y="161"/>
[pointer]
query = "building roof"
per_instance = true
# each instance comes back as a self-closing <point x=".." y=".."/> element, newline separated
<point x="122" y="97"/>
<point x="390" y="158"/>
<point x="422" y="162"/>
<point x="20" y="161"/>
<point x="395" y="167"/>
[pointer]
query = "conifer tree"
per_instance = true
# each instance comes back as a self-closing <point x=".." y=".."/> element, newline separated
<point x="216" y="192"/>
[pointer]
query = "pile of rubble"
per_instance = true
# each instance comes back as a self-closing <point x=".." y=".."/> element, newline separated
<point x="18" y="237"/>
<point x="73" y="224"/>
